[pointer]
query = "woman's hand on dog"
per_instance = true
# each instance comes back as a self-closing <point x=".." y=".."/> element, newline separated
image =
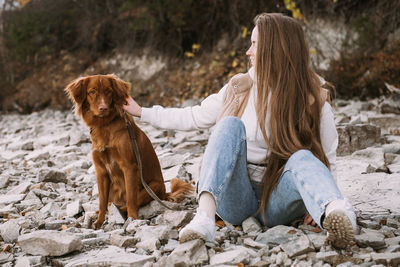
<point x="132" y="107"/>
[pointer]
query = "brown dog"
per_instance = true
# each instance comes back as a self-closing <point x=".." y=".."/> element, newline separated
<point x="98" y="100"/>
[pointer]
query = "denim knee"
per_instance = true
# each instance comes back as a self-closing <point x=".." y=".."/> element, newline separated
<point x="297" y="157"/>
<point x="231" y="125"/>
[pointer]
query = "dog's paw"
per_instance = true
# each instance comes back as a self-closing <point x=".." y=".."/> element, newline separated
<point x="127" y="222"/>
<point x="97" y="224"/>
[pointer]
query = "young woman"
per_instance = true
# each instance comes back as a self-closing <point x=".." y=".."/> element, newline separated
<point x="273" y="149"/>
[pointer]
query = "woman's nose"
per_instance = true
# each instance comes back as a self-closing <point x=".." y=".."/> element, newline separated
<point x="248" y="52"/>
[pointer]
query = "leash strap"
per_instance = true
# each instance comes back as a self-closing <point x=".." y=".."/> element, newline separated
<point x="139" y="162"/>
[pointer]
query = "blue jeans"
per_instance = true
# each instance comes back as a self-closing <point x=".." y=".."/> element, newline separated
<point x="306" y="183"/>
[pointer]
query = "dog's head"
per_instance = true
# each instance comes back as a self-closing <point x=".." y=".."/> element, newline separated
<point x="99" y="94"/>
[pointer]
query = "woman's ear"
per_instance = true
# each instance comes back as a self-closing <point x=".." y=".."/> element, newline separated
<point x="76" y="91"/>
<point x="121" y="91"/>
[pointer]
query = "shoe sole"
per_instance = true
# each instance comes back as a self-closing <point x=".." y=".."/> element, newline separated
<point x="340" y="230"/>
<point x="190" y="235"/>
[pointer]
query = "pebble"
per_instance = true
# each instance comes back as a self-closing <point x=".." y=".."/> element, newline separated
<point x="189" y="253"/>
<point x="10" y="231"/>
<point x="49" y="199"/>
<point x="49" y="243"/>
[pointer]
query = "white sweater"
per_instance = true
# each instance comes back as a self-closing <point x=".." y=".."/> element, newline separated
<point x="204" y="116"/>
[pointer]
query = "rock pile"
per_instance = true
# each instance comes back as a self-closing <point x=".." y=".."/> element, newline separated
<point x="49" y="198"/>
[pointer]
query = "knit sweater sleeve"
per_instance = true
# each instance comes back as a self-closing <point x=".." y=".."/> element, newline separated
<point x="201" y="116"/>
<point x="329" y="136"/>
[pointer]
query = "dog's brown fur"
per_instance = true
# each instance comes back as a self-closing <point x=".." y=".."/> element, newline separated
<point x="98" y="100"/>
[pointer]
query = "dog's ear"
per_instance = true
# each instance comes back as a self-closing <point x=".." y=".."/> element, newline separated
<point x="76" y="91"/>
<point x="121" y="90"/>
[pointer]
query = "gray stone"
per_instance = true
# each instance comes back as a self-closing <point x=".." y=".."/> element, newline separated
<point x="334" y="258"/>
<point x="238" y="255"/>
<point x="191" y="253"/>
<point x="10" y="209"/>
<point x="150" y="244"/>
<point x="160" y="232"/>
<point x="38" y="156"/>
<point x="29" y="204"/>
<point x="297" y="246"/>
<point x="8" y="199"/>
<point x="52" y="175"/>
<point x="89" y="218"/>
<point x="90" y="206"/>
<point x="171" y="245"/>
<point x="366" y="257"/>
<point x="251" y="224"/>
<point x="19" y="189"/>
<point x="392" y="149"/>
<point x="49" y="243"/>
<point x="132" y="226"/>
<point x="154" y="208"/>
<point x="345" y="264"/>
<point x="6" y="257"/>
<point x="22" y="262"/>
<point x="110" y="256"/>
<point x="55" y="224"/>
<point x="4" y="180"/>
<point x="390" y="106"/>
<point x="86" y="165"/>
<point x="27" y="146"/>
<point x="30" y="261"/>
<point x="358" y="119"/>
<point x="356" y="137"/>
<point x="262" y="264"/>
<point x="74" y="208"/>
<point x="279" y="235"/>
<point x="10" y="231"/>
<point x="78" y="137"/>
<point x="114" y="215"/>
<point x="281" y="258"/>
<point x="388" y="259"/>
<point x="391" y="249"/>
<point x="325" y="255"/>
<point x="122" y="241"/>
<point x="170" y="160"/>
<point x="317" y="240"/>
<point x="300" y="263"/>
<point x="177" y="218"/>
<point x="43" y="193"/>
<point x="95" y="241"/>
<point x="171" y="173"/>
<point x="251" y="243"/>
<point x="51" y="209"/>
<point x="387" y="231"/>
<point x="392" y="223"/>
<point x="374" y="240"/>
<point x="392" y="241"/>
<point x="369" y="224"/>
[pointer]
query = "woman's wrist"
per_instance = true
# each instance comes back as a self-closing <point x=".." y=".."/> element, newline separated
<point x="139" y="112"/>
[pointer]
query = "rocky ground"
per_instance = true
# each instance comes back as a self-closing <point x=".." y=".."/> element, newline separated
<point x="49" y="198"/>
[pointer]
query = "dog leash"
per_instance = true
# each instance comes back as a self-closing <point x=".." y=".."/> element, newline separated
<point x="139" y="162"/>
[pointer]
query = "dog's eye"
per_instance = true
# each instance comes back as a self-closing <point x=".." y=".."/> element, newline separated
<point x="92" y="92"/>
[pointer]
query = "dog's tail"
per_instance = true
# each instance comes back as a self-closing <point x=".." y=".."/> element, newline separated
<point x="179" y="190"/>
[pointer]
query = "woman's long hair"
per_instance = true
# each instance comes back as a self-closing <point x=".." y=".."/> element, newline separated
<point x="290" y="91"/>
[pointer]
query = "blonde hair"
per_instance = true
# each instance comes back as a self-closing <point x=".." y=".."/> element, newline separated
<point x="290" y="90"/>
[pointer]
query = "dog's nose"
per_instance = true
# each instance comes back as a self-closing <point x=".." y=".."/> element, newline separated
<point x="103" y="108"/>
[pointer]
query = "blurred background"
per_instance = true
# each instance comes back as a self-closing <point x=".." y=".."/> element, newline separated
<point x="176" y="52"/>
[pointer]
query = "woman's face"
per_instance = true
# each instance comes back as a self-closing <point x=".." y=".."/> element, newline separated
<point x="251" y="52"/>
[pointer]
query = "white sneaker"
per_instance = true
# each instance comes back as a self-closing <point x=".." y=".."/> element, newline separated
<point x="340" y="222"/>
<point x="200" y="227"/>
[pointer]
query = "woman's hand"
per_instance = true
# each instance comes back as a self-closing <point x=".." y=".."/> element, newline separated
<point x="132" y="107"/>
<point x="309" y="220"/>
